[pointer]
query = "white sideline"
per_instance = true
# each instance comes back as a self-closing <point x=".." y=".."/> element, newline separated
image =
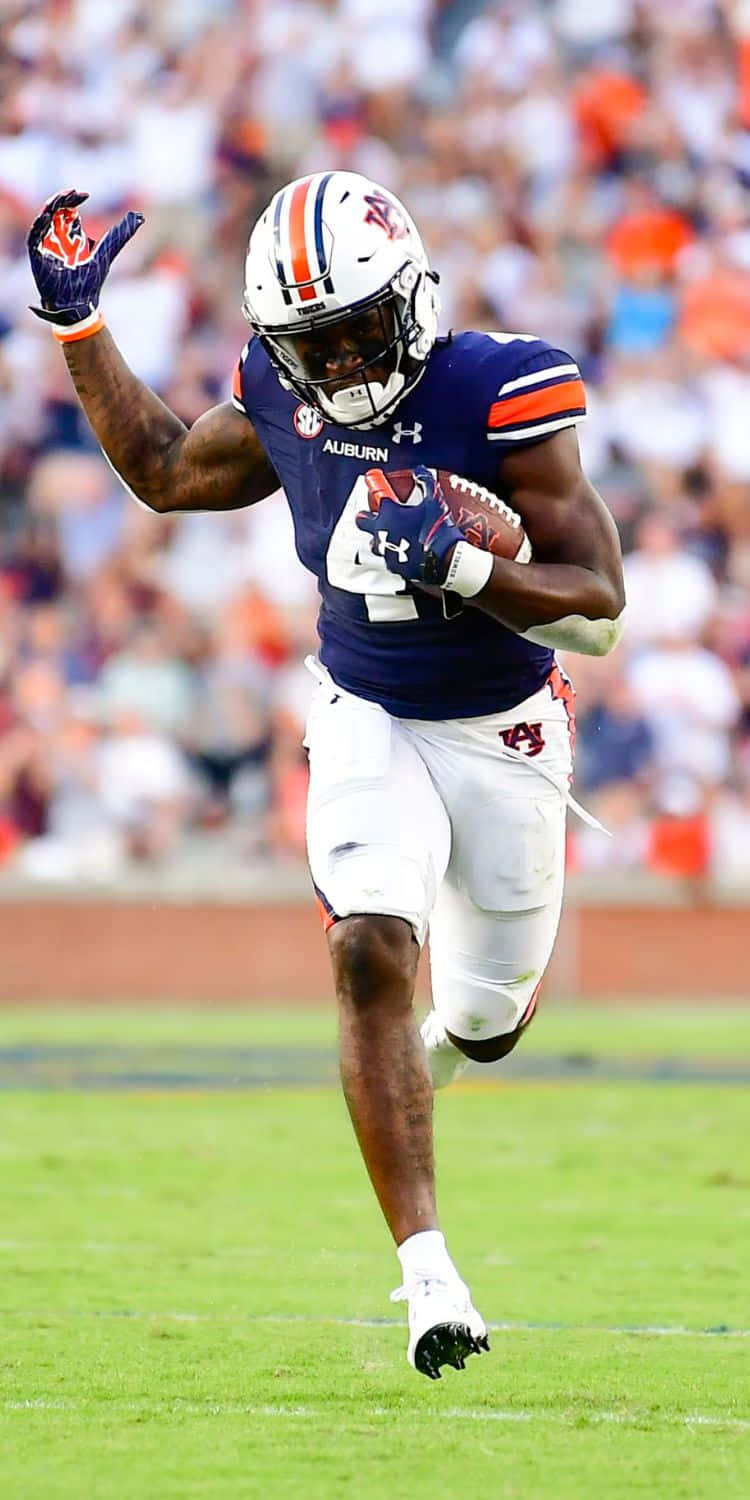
<point x="455" y="1413"/>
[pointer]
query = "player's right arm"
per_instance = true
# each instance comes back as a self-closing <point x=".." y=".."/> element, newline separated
<point x="217" y="464"/>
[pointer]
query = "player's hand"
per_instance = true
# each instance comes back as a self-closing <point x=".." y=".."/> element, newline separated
<point x="68" y="267"/>
<point x="415" y="540"/>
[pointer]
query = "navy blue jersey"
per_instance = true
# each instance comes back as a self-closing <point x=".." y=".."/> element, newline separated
<point x="481" y="395"/>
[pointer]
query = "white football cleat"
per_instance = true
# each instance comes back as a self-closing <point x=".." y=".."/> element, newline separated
<point x="444" y="1326"/>
<point x="446" y="1061"/>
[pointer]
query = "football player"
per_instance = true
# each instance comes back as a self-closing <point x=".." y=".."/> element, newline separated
<point x="440" y="734"/>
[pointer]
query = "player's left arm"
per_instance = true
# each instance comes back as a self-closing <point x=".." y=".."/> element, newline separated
<point x="571" y="595"/>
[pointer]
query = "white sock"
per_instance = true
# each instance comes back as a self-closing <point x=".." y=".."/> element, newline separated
<point x="423" y="1254"/>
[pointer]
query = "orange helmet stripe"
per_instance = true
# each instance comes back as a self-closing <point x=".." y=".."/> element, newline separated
<point x="301" y="270"/>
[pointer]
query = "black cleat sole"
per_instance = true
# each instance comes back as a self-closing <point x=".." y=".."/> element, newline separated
<point x="447" y="1344"/>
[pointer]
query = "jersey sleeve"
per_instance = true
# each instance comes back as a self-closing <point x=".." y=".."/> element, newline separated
<point x="539" y="391"/>
<point x="238" y="395"/>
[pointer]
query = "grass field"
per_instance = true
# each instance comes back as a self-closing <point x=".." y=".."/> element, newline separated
<point x="194" y="1277"/>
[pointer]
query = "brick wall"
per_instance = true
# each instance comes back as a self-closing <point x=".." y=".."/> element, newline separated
<point x="236" y="953"/>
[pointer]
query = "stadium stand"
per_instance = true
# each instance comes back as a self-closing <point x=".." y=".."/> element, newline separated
<point x="579" y="170"/>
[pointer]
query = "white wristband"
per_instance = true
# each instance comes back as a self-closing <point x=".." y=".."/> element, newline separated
<point x="469" y="570"/>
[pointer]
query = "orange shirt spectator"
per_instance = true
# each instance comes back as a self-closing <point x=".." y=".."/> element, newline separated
<point x="714" y="317"/>
<point x="649" y="238"/>
<point x="743" y="67"/>
<point x="256" y="625"/>
<point x="679" y="846"/>
<point x="605" y="104"/>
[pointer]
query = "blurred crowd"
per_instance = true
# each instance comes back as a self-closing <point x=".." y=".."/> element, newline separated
<point x="579" y="169"/>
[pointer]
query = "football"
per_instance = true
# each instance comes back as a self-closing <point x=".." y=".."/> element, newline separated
<point x="485" y="520"/>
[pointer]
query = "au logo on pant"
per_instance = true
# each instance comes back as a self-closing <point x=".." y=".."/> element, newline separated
<point x="527" y="738"/>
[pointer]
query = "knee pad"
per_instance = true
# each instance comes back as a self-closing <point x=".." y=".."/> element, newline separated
<point x="492" y="1048"/>
<point x="374" y="880"/>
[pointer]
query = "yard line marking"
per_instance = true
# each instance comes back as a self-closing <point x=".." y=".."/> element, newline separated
<point x="41" y="1405"/>
<point x="654" y="1330"/>
<point x="456" y="1413"/>
<point x="120" y="1247"/>
<point x="649" y="1330"/>
<point x="167" y="1066"/>
<point x="690" y="1419"/>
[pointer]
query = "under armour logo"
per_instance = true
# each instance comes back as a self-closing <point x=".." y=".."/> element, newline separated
<point x="415" y="432"/>
<point x="400" y="548"/>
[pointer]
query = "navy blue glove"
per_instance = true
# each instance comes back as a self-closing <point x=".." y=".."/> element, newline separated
<point x="68" y="267"/>
<point x="416" y="541"/>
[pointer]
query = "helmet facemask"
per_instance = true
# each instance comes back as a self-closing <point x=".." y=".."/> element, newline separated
<point x="385" y="335"/>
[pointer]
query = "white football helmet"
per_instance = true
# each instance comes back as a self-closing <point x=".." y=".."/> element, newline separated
<point x="336" y="262"/>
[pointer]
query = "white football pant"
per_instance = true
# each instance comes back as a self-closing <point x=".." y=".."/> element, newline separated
<point x="458" y="826"/>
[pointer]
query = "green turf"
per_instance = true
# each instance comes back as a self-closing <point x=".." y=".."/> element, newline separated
<point x="177" y="1269"/>
<point x="707" y="1029"/>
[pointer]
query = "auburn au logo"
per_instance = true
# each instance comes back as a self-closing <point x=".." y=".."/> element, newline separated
<point x="65" y="239"/>
<point x="475" y="528"/>
<point x="386" y="215"/>
<point x="526" y="738"/>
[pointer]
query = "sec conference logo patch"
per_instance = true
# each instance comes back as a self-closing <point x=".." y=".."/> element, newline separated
<point x="308" y="423"/>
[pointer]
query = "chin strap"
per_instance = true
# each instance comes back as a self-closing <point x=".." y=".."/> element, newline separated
<point x="372" y="393"/>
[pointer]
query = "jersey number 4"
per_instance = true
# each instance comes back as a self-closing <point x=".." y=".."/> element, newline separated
<point x="352" y="566"/>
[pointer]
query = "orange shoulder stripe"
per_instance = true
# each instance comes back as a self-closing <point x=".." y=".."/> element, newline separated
<point x="530" y="405"/>
<point x="237" y="381"/>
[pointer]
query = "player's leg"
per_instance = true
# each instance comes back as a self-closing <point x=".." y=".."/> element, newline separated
<point x="384" y="1074"/>
<point x="388" y="1090"/>
<point x="379" y="841"/>
<point x="496" y="917"/>
<point x="487" y="967"/>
